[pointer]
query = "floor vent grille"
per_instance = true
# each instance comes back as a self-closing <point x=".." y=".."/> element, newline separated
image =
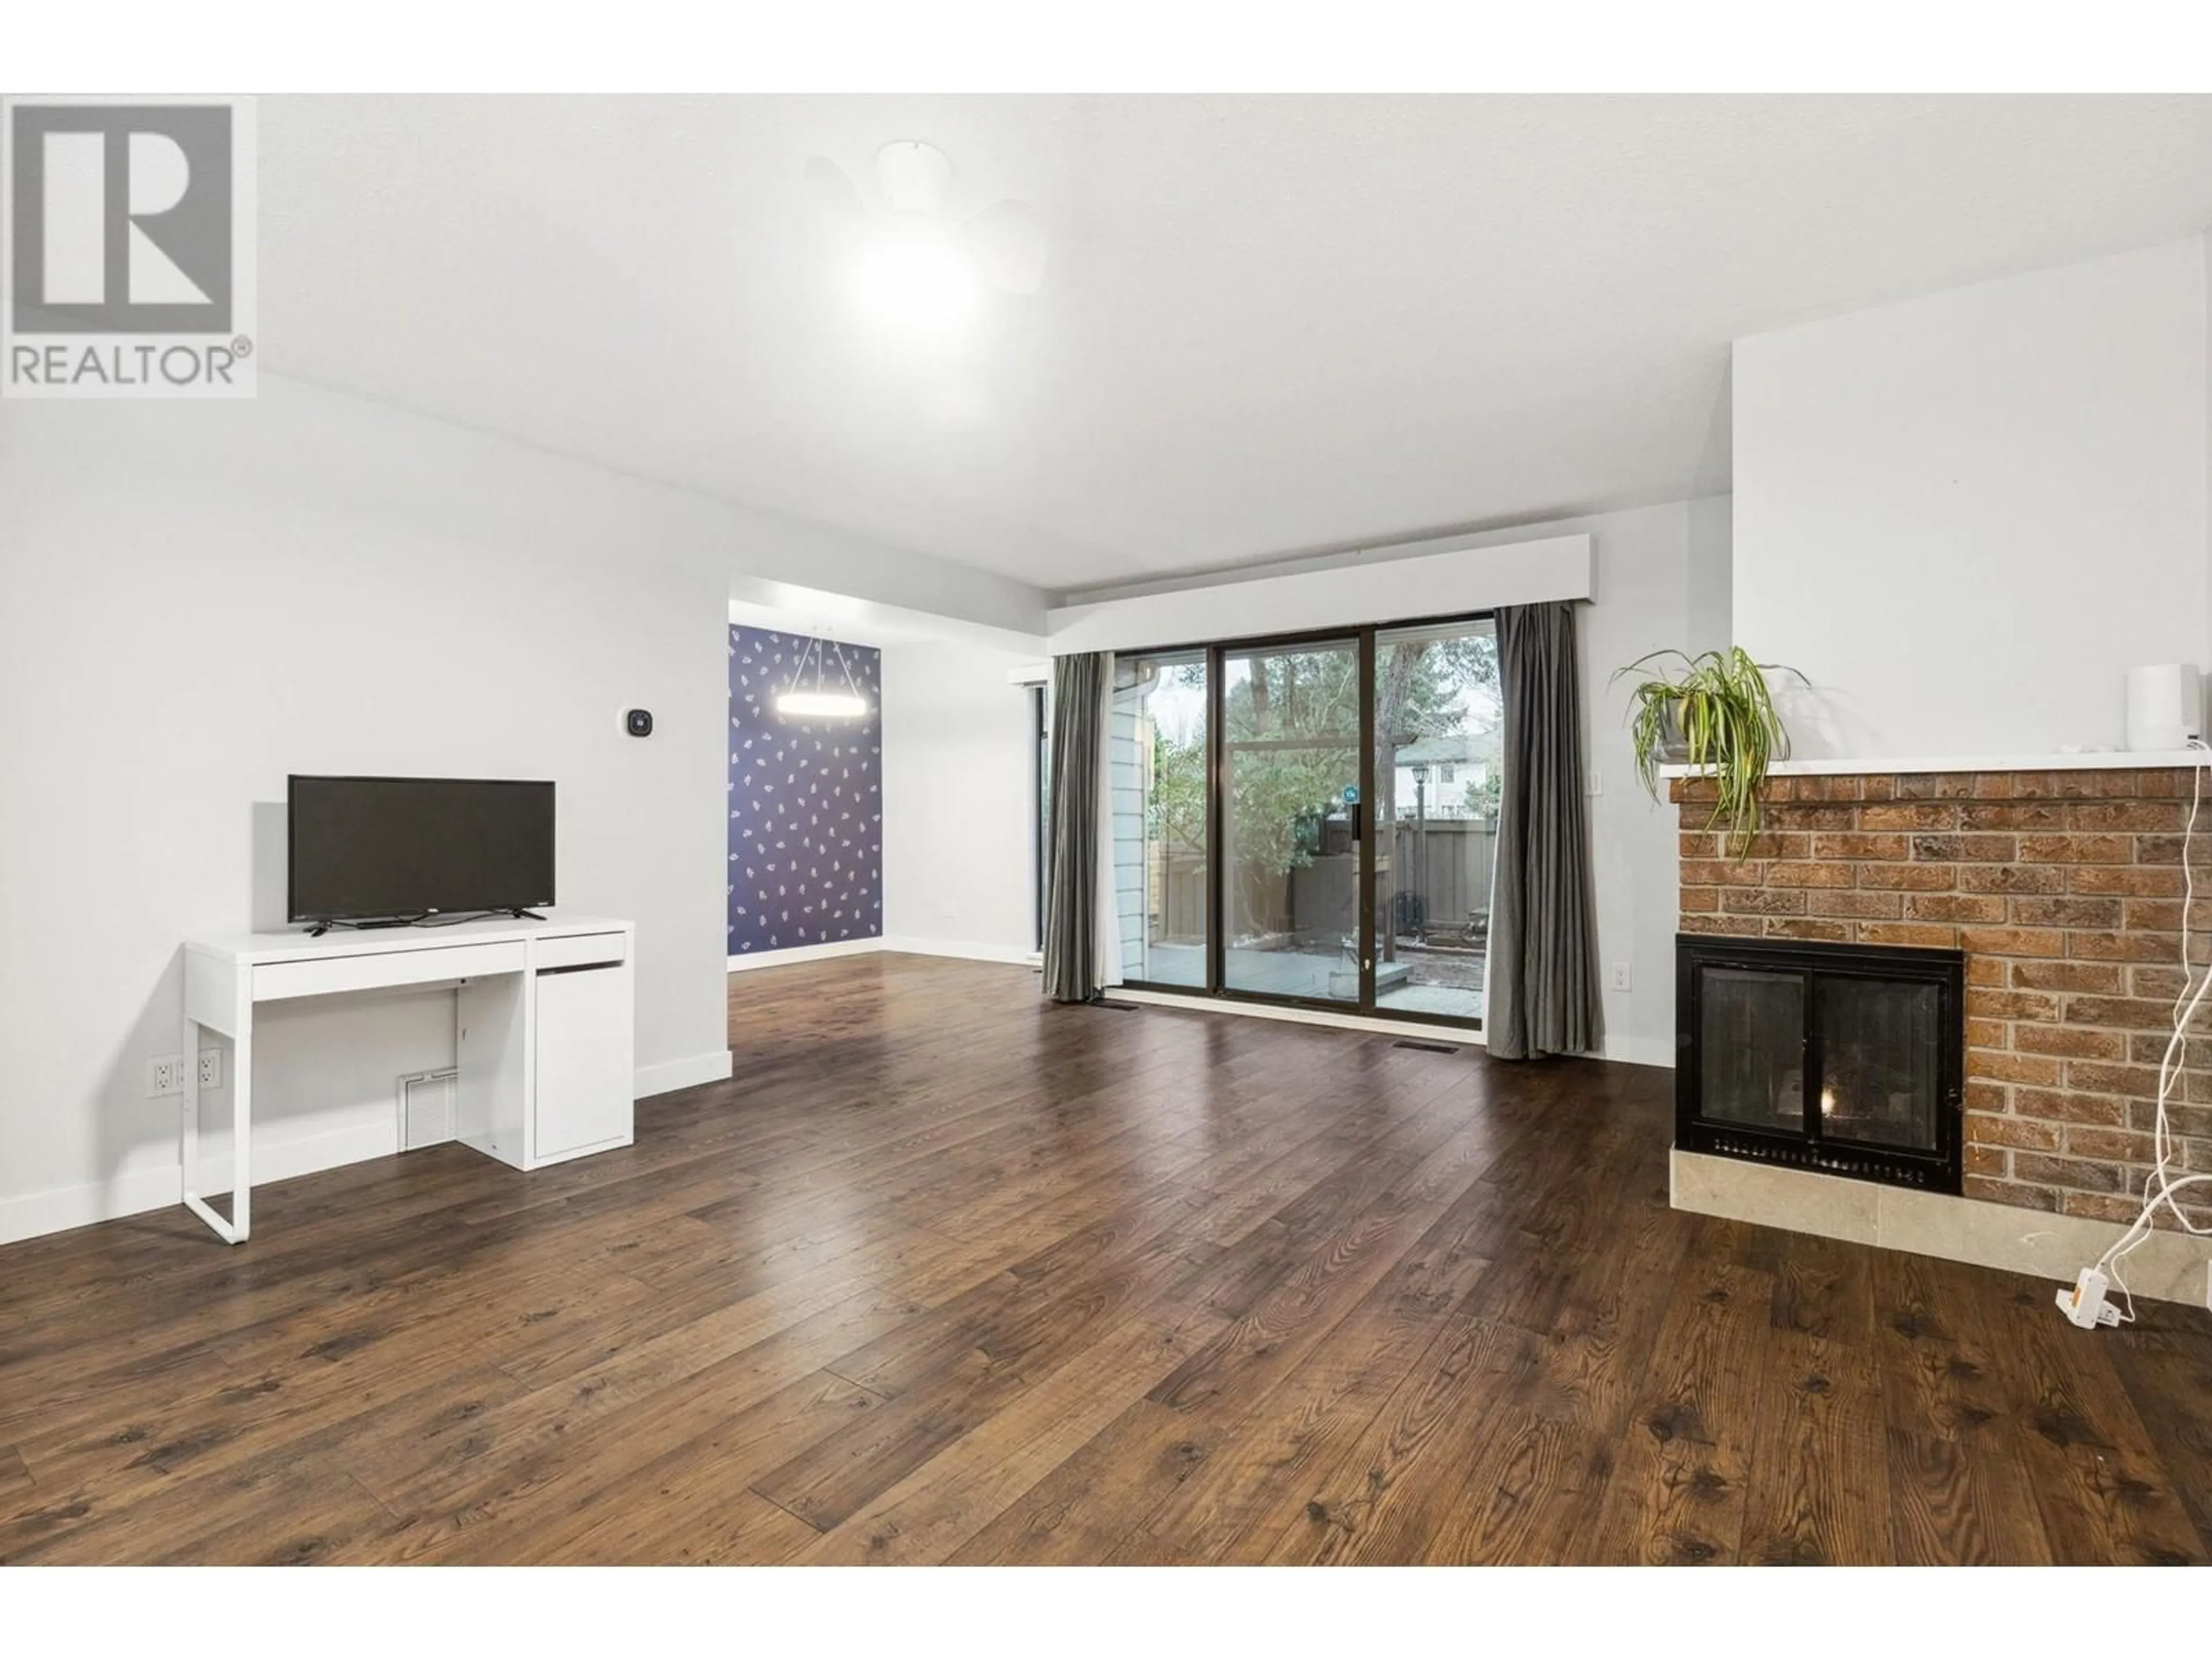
<point x="1118" y="1007"/>
<point x="426" y="1109"/>
<point x="1427" y="1047"/>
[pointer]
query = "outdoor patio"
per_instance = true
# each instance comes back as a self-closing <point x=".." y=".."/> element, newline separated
<point x="1420" y="983"/>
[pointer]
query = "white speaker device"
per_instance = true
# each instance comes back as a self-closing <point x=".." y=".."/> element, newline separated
<point x="2165" y="710"/>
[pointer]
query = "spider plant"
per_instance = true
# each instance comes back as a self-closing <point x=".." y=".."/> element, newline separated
<point x="1713" y="711"/>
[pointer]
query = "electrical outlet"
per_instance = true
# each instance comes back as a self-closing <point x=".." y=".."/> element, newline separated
<point x="1595" y="785"/>
<point x="165" y="1074"/>
<point x="1623" y="979"/>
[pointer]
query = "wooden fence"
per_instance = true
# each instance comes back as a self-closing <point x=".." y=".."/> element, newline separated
<point x="1443" y="863"/>
<point x="1446" y="864"/>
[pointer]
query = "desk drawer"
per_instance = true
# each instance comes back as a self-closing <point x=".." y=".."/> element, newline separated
<point x="377" y="970"/>
<point x="580" y="950"/>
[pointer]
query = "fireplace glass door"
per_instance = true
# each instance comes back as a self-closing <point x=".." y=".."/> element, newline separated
<point x="1751" y="1033"/>
<point x="1878" y="1062"/>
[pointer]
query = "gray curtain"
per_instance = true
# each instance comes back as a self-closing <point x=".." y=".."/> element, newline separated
<point x="1079" y="711"/>
<point x="1542" y="987"/>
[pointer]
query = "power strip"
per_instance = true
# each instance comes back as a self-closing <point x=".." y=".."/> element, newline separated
<point x="2085" y="1304"/>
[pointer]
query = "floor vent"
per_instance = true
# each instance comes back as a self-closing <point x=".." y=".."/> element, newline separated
<point x="1118" y="1007"/>
<point x="1427" y="1047"/>
<point x="426" y="1109"/>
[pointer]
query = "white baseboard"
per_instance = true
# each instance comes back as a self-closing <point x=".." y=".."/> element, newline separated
<point x="157" y="1186"/>
<point x="685" y="1073"/>
<point x="839" y="947"/>
<point x="1019" y="955"/>
<point x="965" y="949"/>
<point x="1642" y="1051"/>
<point x="31" y="1215"/>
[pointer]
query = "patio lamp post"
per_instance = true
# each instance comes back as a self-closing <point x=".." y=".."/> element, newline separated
<point x="1421" y="826"/>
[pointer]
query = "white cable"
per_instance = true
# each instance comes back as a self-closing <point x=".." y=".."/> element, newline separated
<point x="2159" y="1185"/>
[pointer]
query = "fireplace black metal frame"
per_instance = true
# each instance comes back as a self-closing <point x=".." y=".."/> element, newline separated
<point x="1937" y="1171"/>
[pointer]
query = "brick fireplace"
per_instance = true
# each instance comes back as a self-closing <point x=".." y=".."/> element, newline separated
<point x="2063" y="887"/>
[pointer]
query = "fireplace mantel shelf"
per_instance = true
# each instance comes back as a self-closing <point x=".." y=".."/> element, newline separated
<point x="2099" y="760"/>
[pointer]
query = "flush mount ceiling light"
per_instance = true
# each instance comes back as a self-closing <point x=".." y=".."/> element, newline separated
<point x="821" y="701"/>
<point x="915" y="279"/>
<point x="915" y="264"/>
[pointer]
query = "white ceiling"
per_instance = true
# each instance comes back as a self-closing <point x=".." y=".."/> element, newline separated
<point x="853" y="621"/>
<point x="1267" y="325"/>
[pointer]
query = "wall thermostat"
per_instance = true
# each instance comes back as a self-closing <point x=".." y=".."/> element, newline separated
<point x="638" y="722"/>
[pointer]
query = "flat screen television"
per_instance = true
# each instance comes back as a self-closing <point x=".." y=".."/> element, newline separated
<point x="371" y="848"/>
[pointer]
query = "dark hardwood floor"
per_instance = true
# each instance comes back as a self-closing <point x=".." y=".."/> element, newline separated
<point x="947" y="1274"/>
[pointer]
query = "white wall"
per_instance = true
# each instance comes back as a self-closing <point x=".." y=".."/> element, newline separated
<point x="1966" y="515"/>
<point x="1712" y="574"/>
<point x="959" y="780"/>
<point x="1657" y="566"/>
<point x="203" y="597"/>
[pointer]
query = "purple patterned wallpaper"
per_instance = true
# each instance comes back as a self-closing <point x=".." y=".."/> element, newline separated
<point x="807" y="802"/>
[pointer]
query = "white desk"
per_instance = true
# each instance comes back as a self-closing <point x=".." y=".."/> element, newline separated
<point x="543" y="1031"/>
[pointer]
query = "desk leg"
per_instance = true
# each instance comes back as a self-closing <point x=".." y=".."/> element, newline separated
<point x="233" y="1231"/>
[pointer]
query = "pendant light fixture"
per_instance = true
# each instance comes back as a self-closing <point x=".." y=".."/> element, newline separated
<point x="821" y="701"/>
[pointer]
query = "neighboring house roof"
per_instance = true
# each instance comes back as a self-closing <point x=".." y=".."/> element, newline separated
<point x="1450" y="749"/>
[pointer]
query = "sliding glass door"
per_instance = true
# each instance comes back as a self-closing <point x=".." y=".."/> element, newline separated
<point x="1438" y="729"/>
<point x="1290" y="815"/>
<point x="1158" y="752"/>
<point x="1311" y="820"/>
